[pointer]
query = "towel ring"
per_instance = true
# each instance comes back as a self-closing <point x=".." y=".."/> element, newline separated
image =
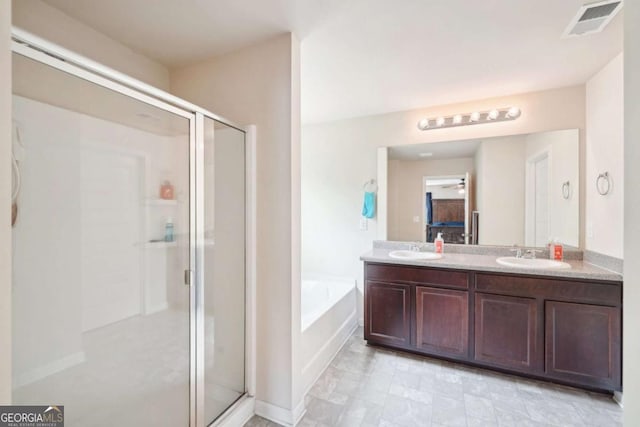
<point x="603" y="178"/>
<point x="370" y="185"/>
<point x="566" y="190"/>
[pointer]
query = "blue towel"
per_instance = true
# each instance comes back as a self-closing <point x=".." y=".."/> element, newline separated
<point x="369" y="207"/>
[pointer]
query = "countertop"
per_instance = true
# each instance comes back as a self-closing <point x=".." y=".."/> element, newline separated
<point x="578" y="270"/>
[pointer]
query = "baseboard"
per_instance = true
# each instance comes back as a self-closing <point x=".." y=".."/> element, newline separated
<point x="617" y="397"/>
<point x="317" y="365"/>
<point x="275" y="413"/>
<point x="361" y="322"/>
<point x="238" y="415"/>
<point x="156" y="308"/>
<point x="50" y="368"/>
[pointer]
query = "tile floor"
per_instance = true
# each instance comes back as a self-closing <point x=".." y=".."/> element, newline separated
<point x="132" y="368"/>
<point x="368" y="386"/>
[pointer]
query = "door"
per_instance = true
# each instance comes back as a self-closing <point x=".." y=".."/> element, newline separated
<point x="537" y="200"/>
<point x="387" y="313"/>
<point x="582" y="343"/>
<point x="506" y="332"/>
<point x="442" y="321"/>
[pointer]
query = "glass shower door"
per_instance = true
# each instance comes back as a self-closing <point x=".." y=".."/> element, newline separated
<point x="101" y="314"/>
<point x="223" y="267"/>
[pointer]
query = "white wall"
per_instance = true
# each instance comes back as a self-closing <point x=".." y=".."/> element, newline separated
<point x="49" y="23"/>
<point x="51" y="226"/>
<point x="500" y="179"/>
<point x="631" y="315"/>
<point x="259" y="85"/>
<point x="337" y="157"/>
<point x="405" y="198"/>
<point x="5" y="203"/>
<point x="605" y="153"/>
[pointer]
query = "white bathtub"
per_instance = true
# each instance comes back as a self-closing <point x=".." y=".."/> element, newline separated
<point x="318" y="295"/>
<point x="328" y="317"/>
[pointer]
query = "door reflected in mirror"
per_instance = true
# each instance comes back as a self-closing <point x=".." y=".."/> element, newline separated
<point x="521" y="189"/>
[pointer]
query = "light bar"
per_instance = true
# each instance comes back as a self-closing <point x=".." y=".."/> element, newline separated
<point x="474" y="118"/>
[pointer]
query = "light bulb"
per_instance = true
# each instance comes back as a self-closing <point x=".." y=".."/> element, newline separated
<point x="514" y="112"/>
<point x="461" y="191"/>
<point x="474" y="117"/>
<point x="457" y="119"/>
<point x="493" y="114"/>
<point x="423" y="124"/>
<point x="440" y="121"/>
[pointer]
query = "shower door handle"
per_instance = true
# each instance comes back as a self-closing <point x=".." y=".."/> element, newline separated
<point x="188" y="274"/>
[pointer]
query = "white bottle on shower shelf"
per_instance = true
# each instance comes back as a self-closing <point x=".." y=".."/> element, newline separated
<point x="168" y="230"/>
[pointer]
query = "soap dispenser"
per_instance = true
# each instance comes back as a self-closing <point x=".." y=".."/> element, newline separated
<point x="439" y="244"/>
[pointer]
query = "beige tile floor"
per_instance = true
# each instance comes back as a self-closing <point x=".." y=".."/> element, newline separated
<point x="368" y="386"/>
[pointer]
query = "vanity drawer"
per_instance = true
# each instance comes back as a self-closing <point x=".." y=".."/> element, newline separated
<point x="551" y="288"/>
<point x="422" y="275"/>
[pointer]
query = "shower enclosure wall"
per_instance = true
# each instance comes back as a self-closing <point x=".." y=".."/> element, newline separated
<point x="130" y="259"/>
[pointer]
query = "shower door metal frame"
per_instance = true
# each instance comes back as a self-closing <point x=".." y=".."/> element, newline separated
<point x="57" y="57"/>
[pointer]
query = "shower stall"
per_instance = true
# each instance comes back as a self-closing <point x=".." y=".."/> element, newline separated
<point x="130" y="260"/>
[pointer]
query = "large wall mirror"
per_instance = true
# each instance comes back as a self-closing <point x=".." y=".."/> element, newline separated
<point x="521" y="190"/>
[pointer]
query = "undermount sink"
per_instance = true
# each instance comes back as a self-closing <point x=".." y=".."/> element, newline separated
<point x="532" y="263"/>
<point x="414" y="255"/>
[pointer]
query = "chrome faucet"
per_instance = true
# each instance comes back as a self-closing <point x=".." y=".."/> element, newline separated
<point x="517" y="250"/>
<point x="531" y="253"/>
<point x="417" y="246"/>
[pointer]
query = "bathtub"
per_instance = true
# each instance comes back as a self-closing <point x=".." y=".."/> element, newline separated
<point x="328" y="317"/>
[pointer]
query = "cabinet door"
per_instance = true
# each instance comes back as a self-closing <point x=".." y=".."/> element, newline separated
<point x="442" y="321"/>
<point x="507" y="332"/>
<point x="583" y="343"/>
<point x="387" y="313"/>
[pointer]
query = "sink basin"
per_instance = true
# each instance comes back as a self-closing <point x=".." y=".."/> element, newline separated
<point x="538" y="263"/>
<point x="414" y="255"/>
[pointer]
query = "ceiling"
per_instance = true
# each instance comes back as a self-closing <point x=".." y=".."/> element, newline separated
<point x="363" y="57"/>
<point x="178" y="33"/>
<point x="438" y="150"/>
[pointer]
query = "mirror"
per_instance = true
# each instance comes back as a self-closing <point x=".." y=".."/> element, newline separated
<point x="521" y="189"/>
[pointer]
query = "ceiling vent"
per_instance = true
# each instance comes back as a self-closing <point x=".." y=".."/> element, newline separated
<point x="592" y="18"/>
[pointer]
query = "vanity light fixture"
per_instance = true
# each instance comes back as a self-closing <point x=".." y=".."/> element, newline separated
<point x="474" y="118"/>
<point x="423" y="123"/>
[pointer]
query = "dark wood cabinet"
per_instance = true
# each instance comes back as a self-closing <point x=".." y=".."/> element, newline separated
<point x="507" y="332"/>
<point x="442" y="321"/>
<point x="558" y="329"/>
<point x="583" y="343"/>
<point x="388" y="313"/>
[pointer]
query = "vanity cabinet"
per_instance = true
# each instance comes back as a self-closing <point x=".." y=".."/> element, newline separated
<point x="583" y="343"/>
<point x="560" y="329"/>
<point x="442" y="321"/>
<point x="388" y="313"/>
<point x="507" y="332"/>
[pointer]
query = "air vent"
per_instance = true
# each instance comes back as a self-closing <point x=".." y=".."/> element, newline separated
<point x="592" y="18"/>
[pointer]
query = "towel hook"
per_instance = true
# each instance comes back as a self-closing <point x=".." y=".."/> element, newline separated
<point x="566" y="190"/>
<point x="603" y="178"/>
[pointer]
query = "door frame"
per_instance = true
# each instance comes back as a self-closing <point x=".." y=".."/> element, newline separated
<point x="40" y="50"/>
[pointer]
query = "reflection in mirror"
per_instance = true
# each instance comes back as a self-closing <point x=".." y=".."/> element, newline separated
<point x="521" y="189"/>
